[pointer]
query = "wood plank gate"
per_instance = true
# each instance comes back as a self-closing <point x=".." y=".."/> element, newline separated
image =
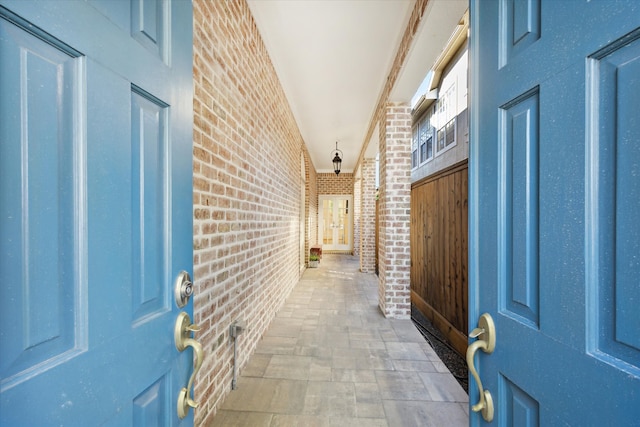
<point x="439" y="246"/>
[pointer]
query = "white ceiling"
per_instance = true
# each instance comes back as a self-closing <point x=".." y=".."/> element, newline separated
<point x="333" y="57"/>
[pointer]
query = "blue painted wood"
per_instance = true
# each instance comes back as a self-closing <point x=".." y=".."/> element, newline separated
<point x="37" y="204"/>
<point x="520" y="409"/>
<point x="553" y="209"/>
<point x="614" y="191"/>
<point x="96" y="221"/>
<point x="518" y="224"/>
<point x="148" y="150"/>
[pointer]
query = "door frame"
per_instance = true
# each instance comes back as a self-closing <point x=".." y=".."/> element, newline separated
<point x="349" y="199"/>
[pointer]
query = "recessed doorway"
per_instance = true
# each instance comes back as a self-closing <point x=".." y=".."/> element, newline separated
<point x="335" y="223"/>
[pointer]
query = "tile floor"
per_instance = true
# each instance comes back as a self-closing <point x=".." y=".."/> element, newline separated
<point x="330" y="358"/>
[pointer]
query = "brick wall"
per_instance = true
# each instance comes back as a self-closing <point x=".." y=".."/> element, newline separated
<point x="246" y="192"/>
<point x="330" y="183"/>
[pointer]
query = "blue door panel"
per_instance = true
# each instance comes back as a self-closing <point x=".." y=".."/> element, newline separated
<point x="613" y="187"/>
<point x="554" y="190"/>
<point x="150" y="241"/>
<point x="39" y="208"/>
<point x="96" y="211"/>
<point x="518" y="226"/>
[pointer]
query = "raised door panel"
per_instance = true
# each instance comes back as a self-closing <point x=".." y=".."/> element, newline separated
<point x="613" y="203"/>
<point x="42" y="199"/>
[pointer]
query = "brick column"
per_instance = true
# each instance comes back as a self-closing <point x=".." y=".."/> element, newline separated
<point x="357" y="206"/>
<point x="368" y="216"/>
<point x="395" y="199"/>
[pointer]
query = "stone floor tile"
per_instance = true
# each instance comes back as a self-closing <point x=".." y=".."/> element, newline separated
<point x="344" y="363"/>
<point x="320" y="372"/>
<point x="372" y="345"/>
<point x="368" y="393"/>
<point x="256" y="366"/>
<point x="369" y="410"/>
<point x="429" y="351"/>
<point x="424" y="414"/>
<point x="388" y="335"/>
<point x="440" y="366"/>
<point x="241" y="419"/>
<point x="395" y="385"/>
<point x="267" y="395"/>
<point x="405" y="351"/>
<point x="354" y="353"/>
<point x="283" y="327"/>
<point x="359" y="422"/>
<point x="337" y="339"/>
<point x="353" y="375"/>
<point x="406" y="331"/>
<point x="299" y="421"/>
<point x="331" y="399"/>
<point x="288" y="367"/>
<point x="285" y="314"/>
<point x="276" y="345"/>
<point x="442" y="387"/>
<point x="414" y="365"/>
<point x="357" y="333"/>
<point x="313" y="351"/>
<point x="465" y="408"/>
<point x="375" y="363"/>
<point x="309" y="323"/>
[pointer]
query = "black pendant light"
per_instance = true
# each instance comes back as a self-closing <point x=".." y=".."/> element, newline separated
<point x="337" y="160"/>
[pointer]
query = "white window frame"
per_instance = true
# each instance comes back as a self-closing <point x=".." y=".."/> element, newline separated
<point x="426" y="120"/>
<point x="447" y="116"/>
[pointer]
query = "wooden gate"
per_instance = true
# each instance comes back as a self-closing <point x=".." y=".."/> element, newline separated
<point x="439" y="236"/>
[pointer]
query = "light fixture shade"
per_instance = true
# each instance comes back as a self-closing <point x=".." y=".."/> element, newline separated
<point x="337" y="163"/>
<point x="337" y="160"/>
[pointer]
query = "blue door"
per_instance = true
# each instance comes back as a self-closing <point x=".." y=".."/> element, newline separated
<point x="95" y="210"/>
<point x="554" y="205"/>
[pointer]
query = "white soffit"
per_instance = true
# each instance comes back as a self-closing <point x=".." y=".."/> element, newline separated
<point x="332" y="58"/>
<point x="439" y="23"/>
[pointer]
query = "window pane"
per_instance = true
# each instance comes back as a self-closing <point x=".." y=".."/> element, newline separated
<point x="327" y="216"/>
<point x="451" y="132"/>
<point x="424" y="126"/>
<point x="441" y="139"/>
<point x="343" y="224"/>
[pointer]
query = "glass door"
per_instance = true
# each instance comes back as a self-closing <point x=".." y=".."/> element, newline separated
<point x="335" y="223"/>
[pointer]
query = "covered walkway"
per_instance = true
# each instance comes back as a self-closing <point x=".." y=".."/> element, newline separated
<point x="330" y="358"/>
